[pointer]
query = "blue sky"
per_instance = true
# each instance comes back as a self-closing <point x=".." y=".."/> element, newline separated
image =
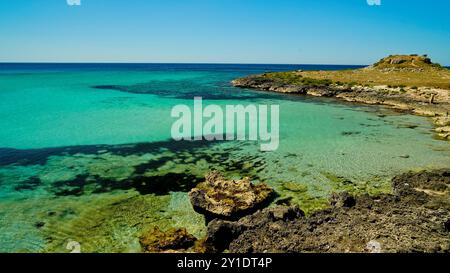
<point x="224" y="31"/>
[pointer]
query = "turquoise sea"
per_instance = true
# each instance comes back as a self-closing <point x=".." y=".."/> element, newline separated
<point x="86" y="153"/>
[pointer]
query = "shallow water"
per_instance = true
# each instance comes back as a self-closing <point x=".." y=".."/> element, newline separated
<point x="86" y="153"/>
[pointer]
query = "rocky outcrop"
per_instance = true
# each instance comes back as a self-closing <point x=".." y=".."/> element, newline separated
<point x="442" y="121"/>
<point x="414" y="219"/>
<point x="425" y="188"/>
<point x="266" y="84"/>
<point x="444" y="132"/>
<point x="413" y="62"/>
<point x="228" y="199"/>
<point x="222" y="233"/>
<point x="442" y="126"/>
<point x="304" y="86"/>
<point x="394" y="97"/>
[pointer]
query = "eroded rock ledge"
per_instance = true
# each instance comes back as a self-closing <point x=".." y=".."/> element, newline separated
<point x="218" y="197"/>
<point x="416" y="218"/>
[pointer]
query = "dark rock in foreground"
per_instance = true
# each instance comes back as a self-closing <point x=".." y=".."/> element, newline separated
<point x="222" y="233"/>
<point x="414" y="219"/>
<point x="228" y="199"/>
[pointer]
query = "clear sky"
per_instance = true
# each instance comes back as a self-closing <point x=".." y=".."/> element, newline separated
<point x="223" y="31"/>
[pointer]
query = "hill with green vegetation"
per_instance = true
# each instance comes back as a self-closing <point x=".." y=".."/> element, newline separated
<point x="393" y="71"/>
<point x="407" y="62"/>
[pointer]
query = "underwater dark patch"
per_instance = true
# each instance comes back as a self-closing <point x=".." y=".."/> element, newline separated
<point x="350" y="133"/>
<point x="164" y="184"/>
<point x="27" y="157"/>
<point x="246" y="166"/>
<point x="158" y="185"/>
<point x="74" y="187"/>
<point x="39" y="224"/>
<point x="291" y="155"/>
<point x="30" y="184"/>
<point x="369" y="125"/>
<point x="151" y="165"/>
<point x="284" y="201"/>
<point x="188" y="90"/>
<point x="220" y="90"/>
<point x="407" y="126"/>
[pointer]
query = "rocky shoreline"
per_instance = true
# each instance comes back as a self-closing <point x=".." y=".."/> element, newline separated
<point x="423" y="101"/>
<point x="414" y="218"/>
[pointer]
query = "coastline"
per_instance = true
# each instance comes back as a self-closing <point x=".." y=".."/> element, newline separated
<point x="422" y="101"/>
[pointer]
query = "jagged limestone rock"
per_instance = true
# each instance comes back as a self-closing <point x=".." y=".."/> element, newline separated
<point x="222" y="198"/>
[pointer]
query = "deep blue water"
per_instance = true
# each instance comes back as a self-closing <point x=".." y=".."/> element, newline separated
<point x="158" y="67"/>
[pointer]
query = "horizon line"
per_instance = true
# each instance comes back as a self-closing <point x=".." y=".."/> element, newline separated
<point x="221" y="63"/>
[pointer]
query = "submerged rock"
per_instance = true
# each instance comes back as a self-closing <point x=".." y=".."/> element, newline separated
<point x="228" y="199"/>
<point x="294" y="187"/>
<point x="156" y="240"/>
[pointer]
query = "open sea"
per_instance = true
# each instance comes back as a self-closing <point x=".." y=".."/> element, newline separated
<point x="86" y="153"/>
